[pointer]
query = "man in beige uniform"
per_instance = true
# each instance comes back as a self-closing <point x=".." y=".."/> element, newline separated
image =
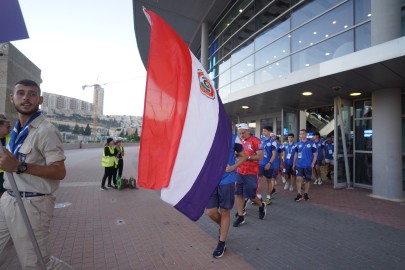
<point x="36" y="160"/>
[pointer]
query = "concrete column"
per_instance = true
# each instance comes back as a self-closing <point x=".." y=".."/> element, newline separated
<point x="385" y="20"/>
<point x="387" y="144"/>
<point x="303" y="121"/>
<point x="204" y="45"/>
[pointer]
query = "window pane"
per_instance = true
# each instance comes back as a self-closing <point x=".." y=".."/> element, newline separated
<point x="272" y="53"/>
<point x="363" y="37"/>
<point x="242" y="83"/>
<point x="363" y="109"/>
<point x="274" y="32"/>
<point x="364" y="172"/>
<point x="329" y="49"/>
<point x="231" y="18"/>
<point x="310" y="9"/>
<point x="224" y="65"/>
<point x="329" y="24"/>
<point x="224" y="78"/>
<point x="362" y="9"/>
<point x="242" y="53"/>
<point x="242" y="69"/>
<point x="364" y="135"/>
<point x="273" y="71"/>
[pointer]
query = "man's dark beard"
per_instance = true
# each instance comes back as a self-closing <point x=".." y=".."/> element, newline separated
<point x="34" y="110"/>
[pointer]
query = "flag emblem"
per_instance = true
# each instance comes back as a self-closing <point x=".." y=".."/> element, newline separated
<point x="205" y="85"/>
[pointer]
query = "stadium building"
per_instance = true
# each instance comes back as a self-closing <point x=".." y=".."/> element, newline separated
<point x="334" y="66"/>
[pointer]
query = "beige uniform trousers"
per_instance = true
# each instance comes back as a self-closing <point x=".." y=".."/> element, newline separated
<point x="12" y="227"/>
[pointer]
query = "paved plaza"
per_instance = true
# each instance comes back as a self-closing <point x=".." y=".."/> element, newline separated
<point x="134" y="229"/>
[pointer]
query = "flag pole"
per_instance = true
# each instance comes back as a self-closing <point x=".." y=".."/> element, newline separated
<point x="20" y="204"/>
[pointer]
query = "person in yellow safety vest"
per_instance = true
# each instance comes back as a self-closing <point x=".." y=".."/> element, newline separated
<point x="120" y="161"/>
<point x="109" y="162"/>
<point x="5" y="129"/>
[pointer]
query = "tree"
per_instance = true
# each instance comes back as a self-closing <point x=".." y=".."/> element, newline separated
<point x="136" y="136"/>
<point x="64" y="128"/>
<point x="76" y="130"/>
<point x="87" y="130"/>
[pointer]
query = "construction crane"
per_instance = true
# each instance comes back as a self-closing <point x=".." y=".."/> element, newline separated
<point x="96" y="93"/>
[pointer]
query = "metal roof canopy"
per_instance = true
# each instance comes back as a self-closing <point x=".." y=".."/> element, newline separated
<point x="186" y="18"/>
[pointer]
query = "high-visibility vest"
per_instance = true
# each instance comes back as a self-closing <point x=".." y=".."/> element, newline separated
<point x="7" y="140"/>
<point x="108" y="161"/>
<point x="122" y="150"/>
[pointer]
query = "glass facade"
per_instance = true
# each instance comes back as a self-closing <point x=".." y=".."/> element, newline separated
<point x="260" y="40"/>
<point x="363" y="130"/>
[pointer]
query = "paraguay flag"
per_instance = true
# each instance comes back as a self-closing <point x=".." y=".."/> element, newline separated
<point x="186" y="132"/>
<point x="12" y="25"/>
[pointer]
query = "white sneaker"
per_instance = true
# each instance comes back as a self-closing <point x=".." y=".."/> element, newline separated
<point x="286" y="186"/>
<point x="283" y="179"/>
<point x="319" y="181"/>
<point x="316" y="182"/>
<point x="291" y="188"/>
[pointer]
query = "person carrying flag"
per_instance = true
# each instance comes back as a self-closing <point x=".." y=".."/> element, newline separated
<point x="221" y="201"/>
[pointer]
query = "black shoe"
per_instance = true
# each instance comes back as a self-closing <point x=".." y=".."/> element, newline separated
<point x="273" y="192"/>
<point x="244" y="209"/>
<point x="220" y="250"/>
<point x="244" y="205"/>
<point x="306" y="196"/>
<point x="298" y="198"/>
<point x="262" y="211"/>
<point x="239" y="221"/>
<point x="243" y="213"/>
<point x="103" y="188"/>
<point x="110" y="186"/>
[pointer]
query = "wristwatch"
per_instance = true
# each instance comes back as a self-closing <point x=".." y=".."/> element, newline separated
<point x="22" y="167"/>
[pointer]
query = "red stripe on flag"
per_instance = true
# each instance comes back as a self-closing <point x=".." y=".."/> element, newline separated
<point x="167" y="93"/>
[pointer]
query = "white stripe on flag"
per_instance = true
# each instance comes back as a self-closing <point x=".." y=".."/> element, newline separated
<point x="198" y="135"/>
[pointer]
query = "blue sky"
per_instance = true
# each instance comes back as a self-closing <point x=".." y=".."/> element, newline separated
<point x="78" y="42"/>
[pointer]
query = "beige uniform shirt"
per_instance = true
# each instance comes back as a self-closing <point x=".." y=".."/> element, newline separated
<point x="42" y="146"/>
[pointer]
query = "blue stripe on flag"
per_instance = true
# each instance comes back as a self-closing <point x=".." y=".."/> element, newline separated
<point x="194" y="202"/>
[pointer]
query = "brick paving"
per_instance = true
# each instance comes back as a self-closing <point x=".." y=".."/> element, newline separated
<point x="134" y="229"/>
